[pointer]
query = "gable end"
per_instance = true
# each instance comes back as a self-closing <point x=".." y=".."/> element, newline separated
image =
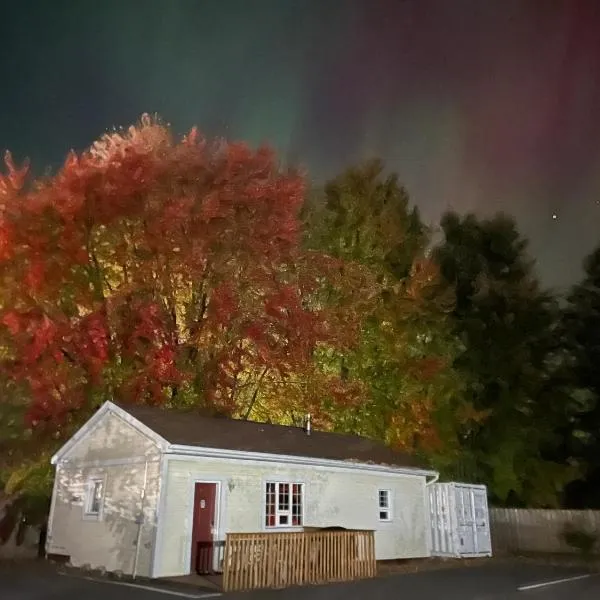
<point x="102" y="417"/>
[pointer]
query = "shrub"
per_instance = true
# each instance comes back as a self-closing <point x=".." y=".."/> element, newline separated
<point x="580" y="539"/>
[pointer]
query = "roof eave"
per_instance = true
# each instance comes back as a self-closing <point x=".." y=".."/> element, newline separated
<point x="222" y="453"/>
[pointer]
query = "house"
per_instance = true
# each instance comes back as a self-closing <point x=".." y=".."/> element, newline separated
<point x="140" y="489"/>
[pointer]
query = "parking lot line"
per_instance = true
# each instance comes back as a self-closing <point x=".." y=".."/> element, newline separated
<point x="149" y="588"/>
<point x="541" y="584"/>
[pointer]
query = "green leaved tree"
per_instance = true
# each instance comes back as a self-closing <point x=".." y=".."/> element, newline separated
<point x="511" y="360"/>
<point x="412" y="396"/>
<point x="581" y="327"/>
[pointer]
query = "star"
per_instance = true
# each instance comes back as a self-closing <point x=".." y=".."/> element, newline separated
<point x="554" y="216"/>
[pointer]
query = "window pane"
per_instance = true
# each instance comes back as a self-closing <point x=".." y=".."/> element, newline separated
<point x="384" y="499"/>
<point x="284" y="496"/>
<point x="297" y="515"/>
<point x="95" y="497"/>
<point x="384" y="515"/>
<point x="270" y="499"/>
<point x="297" y="505"/>
<point x="283" y="504"/>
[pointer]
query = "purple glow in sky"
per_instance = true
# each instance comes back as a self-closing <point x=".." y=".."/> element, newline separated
<point x="481" y="105"/>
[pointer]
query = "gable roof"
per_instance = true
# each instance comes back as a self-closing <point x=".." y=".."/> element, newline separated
<point x="189" y="428"/>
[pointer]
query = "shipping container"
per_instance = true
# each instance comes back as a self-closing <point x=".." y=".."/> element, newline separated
<point x="460" y="523"/>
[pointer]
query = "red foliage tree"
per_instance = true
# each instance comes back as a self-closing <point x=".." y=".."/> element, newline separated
<point x="155" y="270"/>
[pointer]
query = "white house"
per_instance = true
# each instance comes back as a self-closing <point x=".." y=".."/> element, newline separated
<point x="138" y="489"/>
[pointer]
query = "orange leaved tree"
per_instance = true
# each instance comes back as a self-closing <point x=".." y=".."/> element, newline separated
<point x="163" y="271"/>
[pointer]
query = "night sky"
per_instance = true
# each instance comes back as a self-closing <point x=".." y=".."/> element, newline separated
<point x="479" y="105"/>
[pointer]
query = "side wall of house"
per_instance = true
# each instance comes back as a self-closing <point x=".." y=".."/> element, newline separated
<point x="332" y="497"/>
<point x="129" y="464"/>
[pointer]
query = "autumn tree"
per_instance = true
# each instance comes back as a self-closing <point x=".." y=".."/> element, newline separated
<point x="510" y="361"/>
<point x="412" y="397"/>
<point x="163" y="271"/>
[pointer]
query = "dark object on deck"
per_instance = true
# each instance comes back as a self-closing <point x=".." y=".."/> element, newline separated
<point x="209" y="557"/>
<point x="61" y="559"/>
<point x="41" y="551"/>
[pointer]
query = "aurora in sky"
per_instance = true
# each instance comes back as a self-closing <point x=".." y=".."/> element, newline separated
<point x="479" y="105"/>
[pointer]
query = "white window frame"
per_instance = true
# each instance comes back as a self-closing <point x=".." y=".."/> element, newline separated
<point x="278" y="511"/>
<point x="384" y="510"/>
<point x="88" y="500"/>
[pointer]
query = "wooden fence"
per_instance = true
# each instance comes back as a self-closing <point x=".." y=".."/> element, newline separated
<point x="276" y="560"/>
<point x="529" y="530"/>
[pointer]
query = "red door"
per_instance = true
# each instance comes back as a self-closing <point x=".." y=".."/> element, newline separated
<point x="204" y="522"/>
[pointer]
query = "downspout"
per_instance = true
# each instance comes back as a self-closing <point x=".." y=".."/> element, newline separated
<point x="50" y="522"/>
<point x="140" y="520"/>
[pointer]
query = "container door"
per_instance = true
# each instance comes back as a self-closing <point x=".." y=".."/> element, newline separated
<point x="441" y="521"/>
<point x="466" y="520"/>
<point x="483" y="538"/>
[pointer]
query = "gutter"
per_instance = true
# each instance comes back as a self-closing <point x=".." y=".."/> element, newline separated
<point x="219" y="453"/>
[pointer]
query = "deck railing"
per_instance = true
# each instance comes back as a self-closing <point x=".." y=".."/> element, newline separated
<point x="276" y="560"/>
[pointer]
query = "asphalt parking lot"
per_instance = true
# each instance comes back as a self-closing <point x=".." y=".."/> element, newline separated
<point x="490" y="582"/>
<point x="496" y="582"/>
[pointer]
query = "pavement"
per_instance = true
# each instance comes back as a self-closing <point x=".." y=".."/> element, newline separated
<point x="496" y="582"/>
<point x="490" y="582"/>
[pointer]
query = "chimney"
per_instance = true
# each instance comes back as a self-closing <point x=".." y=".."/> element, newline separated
<point x="307" y="426"/>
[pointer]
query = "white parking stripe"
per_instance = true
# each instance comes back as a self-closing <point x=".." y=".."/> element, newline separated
<point x="159" y="590"/>
<point x="535" y="586"/>
<point x="149" y="588"/>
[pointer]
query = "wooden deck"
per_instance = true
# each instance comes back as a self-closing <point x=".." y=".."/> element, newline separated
<point x="276" y="560"/>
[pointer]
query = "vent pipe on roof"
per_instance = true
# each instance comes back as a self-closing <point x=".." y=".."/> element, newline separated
<point x="307" y="426"/>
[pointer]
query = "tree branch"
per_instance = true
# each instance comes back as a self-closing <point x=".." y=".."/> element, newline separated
<point x="255" y="394"/>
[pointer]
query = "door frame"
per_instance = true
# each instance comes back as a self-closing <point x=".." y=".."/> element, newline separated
<point x="190" y="517"/>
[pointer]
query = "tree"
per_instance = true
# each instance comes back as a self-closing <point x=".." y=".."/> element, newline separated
<point x="160" y="271"/>
<point x="581" y="328"/>
<point x="411" y="395"/>
<point x="362" y="216"/>
<point x="509" y="328"/>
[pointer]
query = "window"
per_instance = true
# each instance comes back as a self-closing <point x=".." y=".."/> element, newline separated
<point x="94" y="497"/>
<point x="385" y="505"/>
<point x="283" y="504"/>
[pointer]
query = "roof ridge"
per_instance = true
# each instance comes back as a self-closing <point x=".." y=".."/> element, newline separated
<point x="230" y="433"/>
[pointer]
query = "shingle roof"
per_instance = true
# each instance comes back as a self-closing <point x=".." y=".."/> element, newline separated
<point x="190" y="428"/>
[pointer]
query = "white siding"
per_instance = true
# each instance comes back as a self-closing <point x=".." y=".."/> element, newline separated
<point x="119" y="454"/>
<point x="112" y="439"/>
<point x="332" y="497"/>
